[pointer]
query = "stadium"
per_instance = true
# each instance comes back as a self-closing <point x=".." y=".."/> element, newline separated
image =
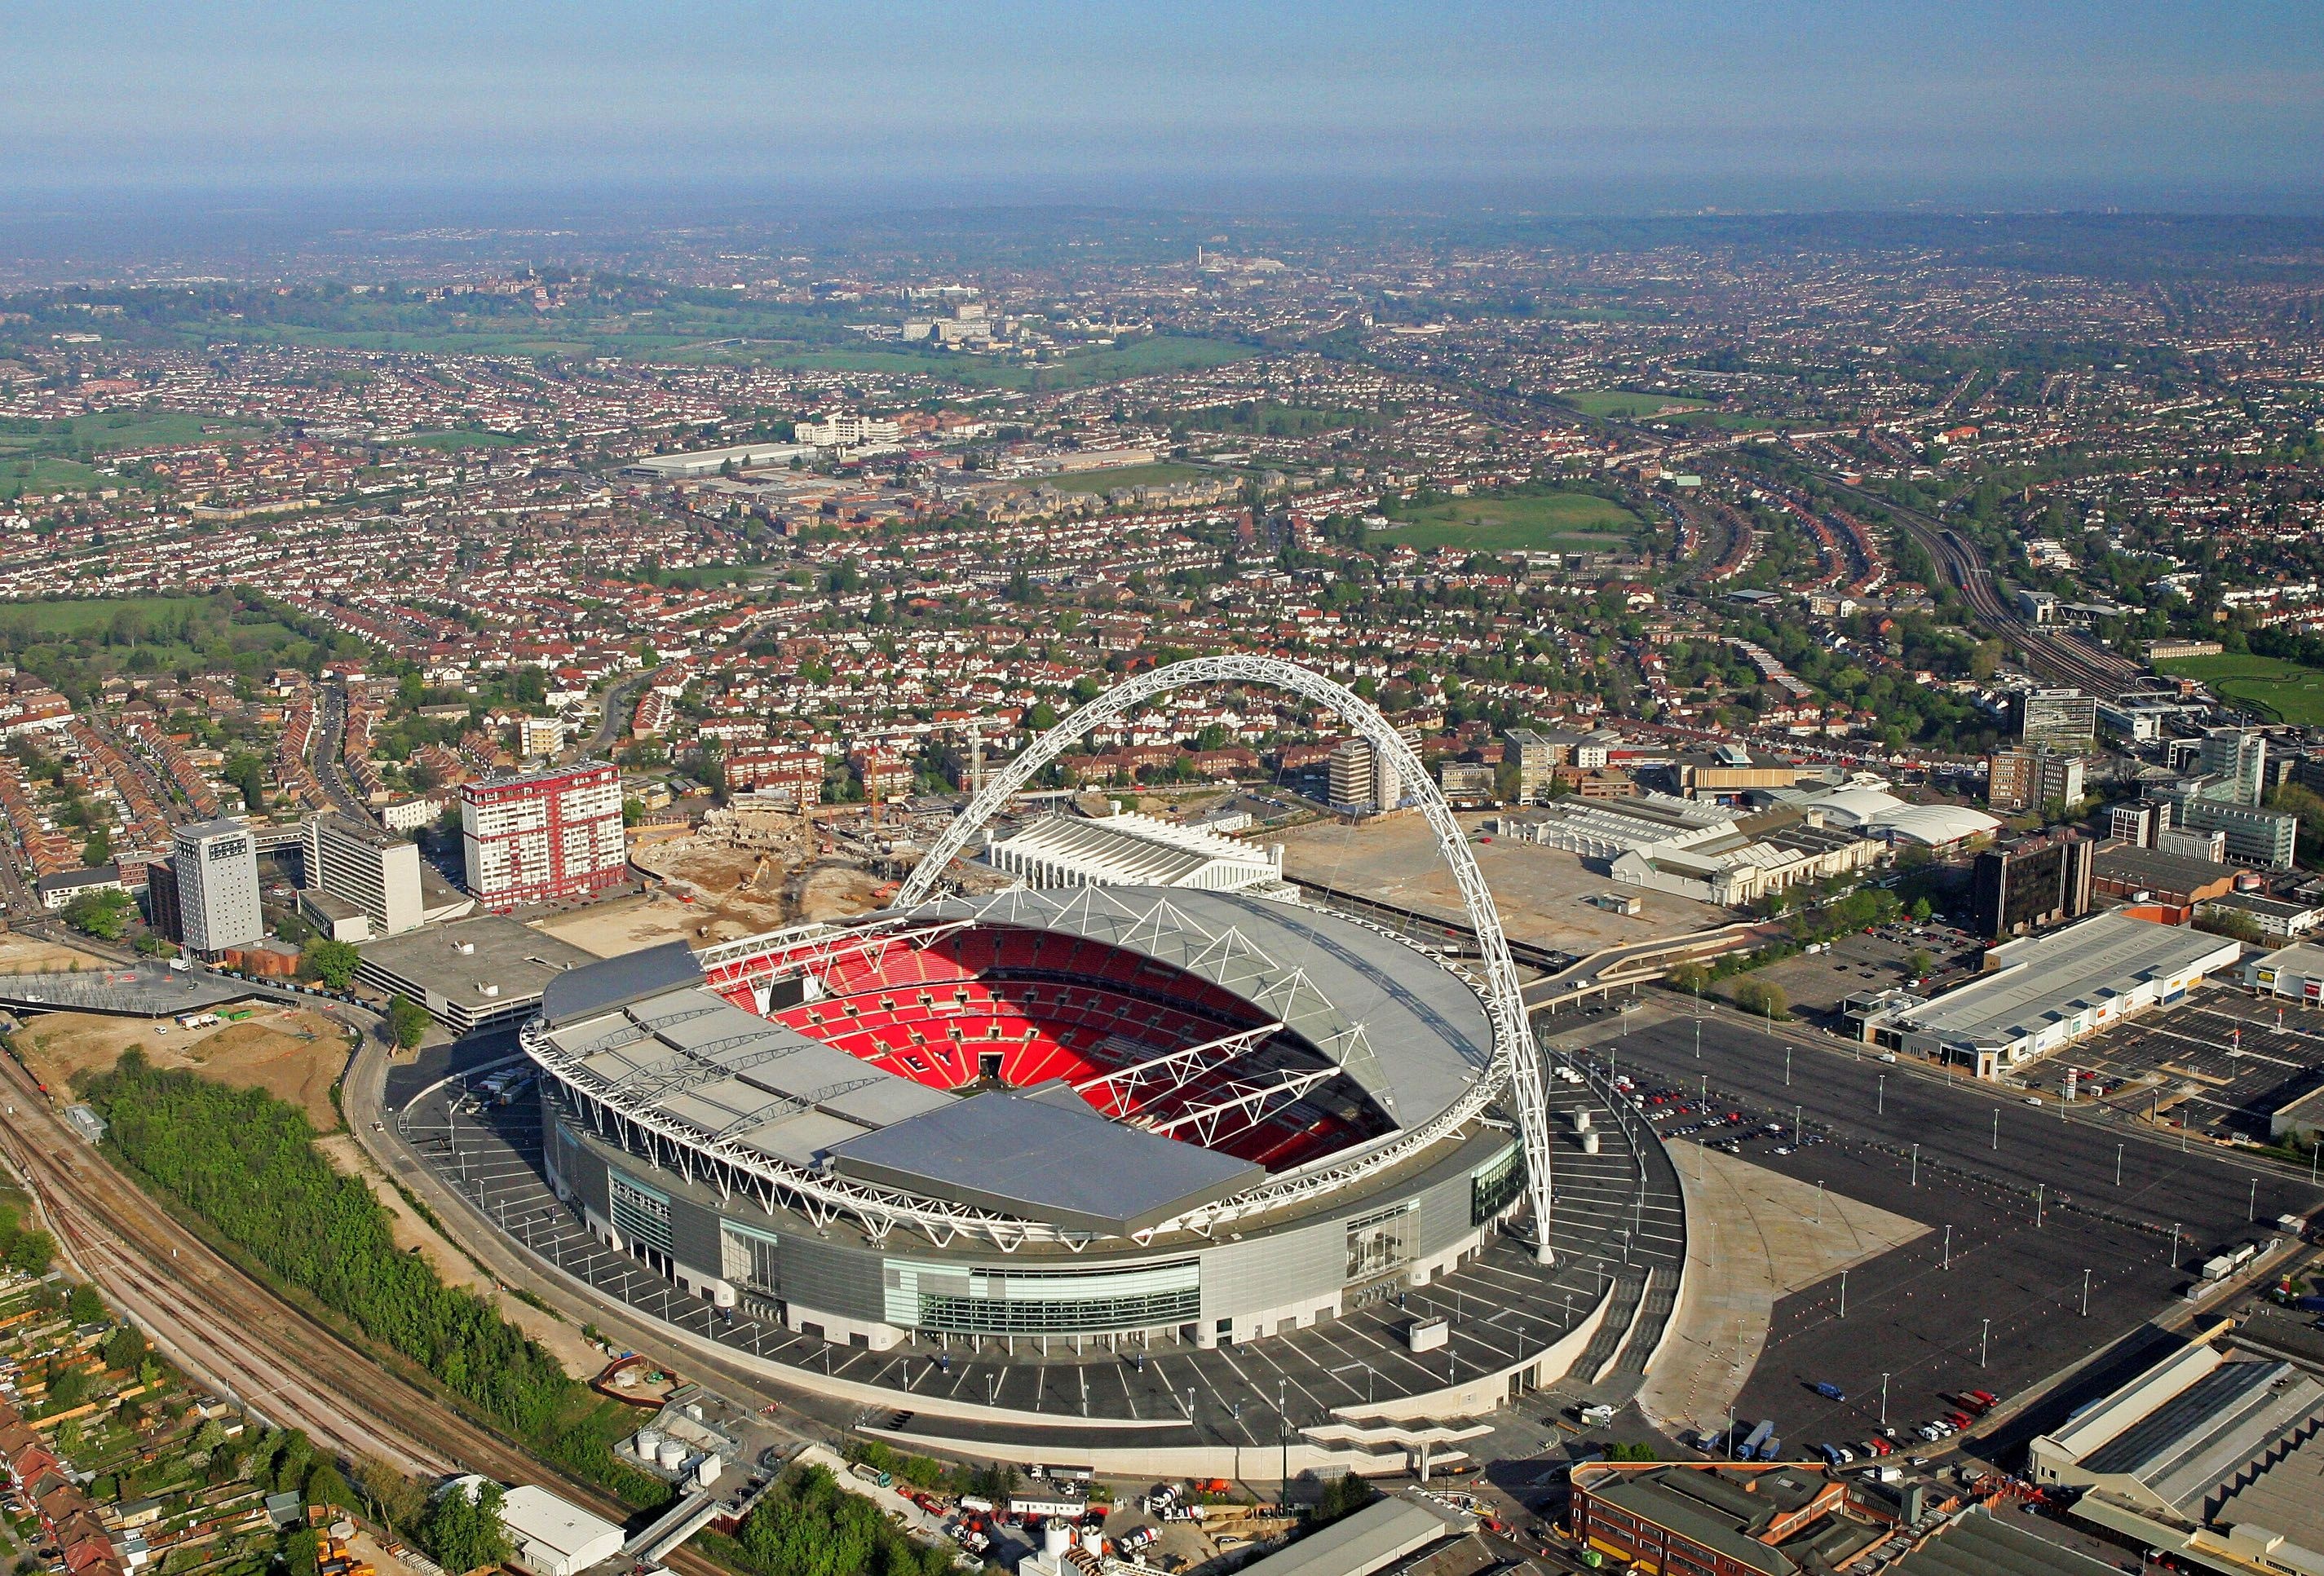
<point x="1045" y="1124"/>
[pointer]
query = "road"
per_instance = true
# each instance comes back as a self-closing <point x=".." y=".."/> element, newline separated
<point x="330" y="736"/>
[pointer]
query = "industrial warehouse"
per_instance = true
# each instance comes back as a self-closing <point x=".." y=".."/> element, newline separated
<point x="2050" y="991"/>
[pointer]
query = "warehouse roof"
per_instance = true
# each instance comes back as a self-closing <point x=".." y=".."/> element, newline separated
<point x="1373" y="1539"/>
<point x="1977" y="1543"/>
<point x="2044" y="978"/>
<point x="1141" y="851"/>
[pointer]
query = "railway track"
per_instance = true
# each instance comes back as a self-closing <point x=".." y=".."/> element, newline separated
<point x="238" y="1335"/>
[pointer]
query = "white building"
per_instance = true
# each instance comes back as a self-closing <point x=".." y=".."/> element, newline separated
<point x="850" y="431"/>
<point x="540" y="735"/>
<point x="2050" y="991"/>
<point x="552" y="1537"/>
<point x="364" y="867"/>
<point x="1132" y="850"/>
<point x="215" y="864"/>
<point x="1362" y="780"/>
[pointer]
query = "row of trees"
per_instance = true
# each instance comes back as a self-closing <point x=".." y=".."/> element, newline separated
<point x="246" y="1164"/>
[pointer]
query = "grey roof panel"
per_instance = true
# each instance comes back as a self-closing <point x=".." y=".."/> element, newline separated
<point x="616" y="981"/>
<point x="1031" y="1155"/>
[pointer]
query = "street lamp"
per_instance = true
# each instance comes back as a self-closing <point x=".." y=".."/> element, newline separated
<point x="1880" y="1096"/>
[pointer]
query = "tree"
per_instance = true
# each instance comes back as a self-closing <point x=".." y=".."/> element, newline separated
<point x="2232" y="923"/>
<point x="32" y="1253"/>
<point x="462" y="1528"/>
<point x="334" y="963"/>
<point x="102" y="915"/>
<point x="407" y="1022"/>
<point x="84" y="1306"/>
<point x="124" y="1348"/>
<point x="1764" y="997"/>
<point x="98" y="849"/>
<point x="1689" y="977"/>
<point x="1919" y="964"/>
<point x="1921" y="911"/>
<point x="394" y="1500"/>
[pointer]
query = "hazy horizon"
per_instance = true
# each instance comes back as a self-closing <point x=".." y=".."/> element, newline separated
<point x="530" y="109"/>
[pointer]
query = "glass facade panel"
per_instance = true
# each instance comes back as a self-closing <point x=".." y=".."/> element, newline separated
<point x="967" y="1301"/>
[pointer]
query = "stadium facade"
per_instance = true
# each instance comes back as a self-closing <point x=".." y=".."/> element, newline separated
<point x="1109" y="1116"/>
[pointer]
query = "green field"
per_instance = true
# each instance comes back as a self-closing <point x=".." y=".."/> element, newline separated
<point x="1547" y="522"/>
<point x="19" y="476"/>
<point x="116" y="429"/>
<point x="1126" y="476"/>
<point x="2281" y="691"/>
<point x="93" y="615"/>
<point x="459" y="438"/>
<point x="1624" y="405"/>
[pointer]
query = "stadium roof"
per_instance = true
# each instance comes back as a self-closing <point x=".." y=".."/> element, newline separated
<point x="1412" y="1034"/>
<point x="1046" y="1153"/>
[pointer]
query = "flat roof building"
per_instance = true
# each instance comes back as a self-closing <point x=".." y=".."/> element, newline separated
<point x="1373" y="1539"/>
<point x="472" y="974"/>
<point x="217" y="866"/>
<point x="2049" y="990"/>
<point x="362" y="866"/>
<point x="2208" y="1455"/>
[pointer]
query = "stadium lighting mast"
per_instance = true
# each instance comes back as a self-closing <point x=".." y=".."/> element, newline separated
<point x="1517" y="1062"/>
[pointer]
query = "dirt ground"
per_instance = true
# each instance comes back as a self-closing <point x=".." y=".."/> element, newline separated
<point x="290" y="1053"/>
<point x="565" y="1341"/>
<point x="29" y="954"/>
<point x="1543" y="893"/>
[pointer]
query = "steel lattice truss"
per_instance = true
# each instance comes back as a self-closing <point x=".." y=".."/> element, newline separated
<point x="724" y="1161"/>
<point x="1516" y="1061"/>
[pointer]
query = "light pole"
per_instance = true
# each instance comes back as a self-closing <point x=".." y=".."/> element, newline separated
<point x="1880" y="1096"/>
<point x="1843" y="1293"/>
<point x="2039" y="1191"/>
<point x="1883" y="1400"/>
<point x="2255" y="1199"/>
<point x="1283" y="1430"/>
<point x="1787" y="1051"/>
<point x="1983" y="1335"/>
<point x="1997" y="1127"/>
<point x="2086" y="1294"/>
<point x="1948" y="1247"/>
<point x="1916" y="1165"/>
<point x="1795" y="1133"/>
<point x="2117" y="1164"/>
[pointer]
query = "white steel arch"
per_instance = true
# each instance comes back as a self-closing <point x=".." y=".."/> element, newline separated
<point x="1516" y="1061"/>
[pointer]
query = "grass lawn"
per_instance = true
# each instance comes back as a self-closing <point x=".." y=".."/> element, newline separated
<point x="1126" y="476"/>
<point x="91" y="614"/>
<point x="1623" y="405"/>
<point x="20" y="476"/>
<point x="457" y="437"/>
<point x="2283" y="692"/>
<point x="116" y="429"/>
<point x="1547" y="522"/>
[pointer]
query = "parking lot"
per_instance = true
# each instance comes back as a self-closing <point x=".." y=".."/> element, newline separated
<point x="2036" y="1254"/>
<point x="2217" y="1064"/>
<point x="1817" y="983"/>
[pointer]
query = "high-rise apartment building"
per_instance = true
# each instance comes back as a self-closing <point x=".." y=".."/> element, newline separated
<point x="542" y="836"/>
<point x="1363" y="781"/>
<point x="2237" y="757"/>
<point x="2033" y="884"/>
<point x="2026" y="779"/>
<point x="1535" y="757"/>
<point x="362" y="865"/>
<point x="2063" y="719"/>
<point x="216" y="864"/>
<point x="2255" y="836"/>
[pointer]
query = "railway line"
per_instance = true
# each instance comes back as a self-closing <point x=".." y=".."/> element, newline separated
<point x="235" y="1334"/>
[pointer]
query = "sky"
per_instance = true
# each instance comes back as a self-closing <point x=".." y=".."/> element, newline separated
<point x="1653" y="105"/>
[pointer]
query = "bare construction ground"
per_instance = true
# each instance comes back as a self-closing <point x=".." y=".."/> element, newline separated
<point x="292" y="1054"/>
<point x="1753" y="1236"/>
<point x="1543" y="892"/>
<point x="29" y="954"/>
